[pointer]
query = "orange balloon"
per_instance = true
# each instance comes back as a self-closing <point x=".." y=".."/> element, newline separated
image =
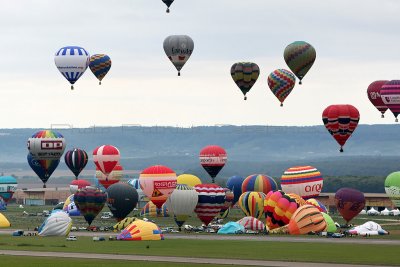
<point x="299" y="200"/>
<point x="306" y="219"/>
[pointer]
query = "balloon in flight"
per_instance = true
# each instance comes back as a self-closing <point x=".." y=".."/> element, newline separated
<point x="305" y="181"/>
<point x="299" y="56"/>
<point x="168" y="3"/>
<point x="100" y="64"/>
<point x="121" y="200"/>
<point x="281" y="82"/>
<point x="76" y="160"/>
<point x="390" y="95"/>
<point x="178" y="49"/>
<point x="245" y="75"/>
<point x="374" y="95"/>
<point x="213" y="159"/>
<point x="43" y="168"/>
<point x="90" y="202"/>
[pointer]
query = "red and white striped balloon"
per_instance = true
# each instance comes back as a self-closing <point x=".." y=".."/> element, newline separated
<point x="106" y="157"/>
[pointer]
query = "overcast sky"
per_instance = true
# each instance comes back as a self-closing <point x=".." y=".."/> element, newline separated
<point x="357" y="42"/>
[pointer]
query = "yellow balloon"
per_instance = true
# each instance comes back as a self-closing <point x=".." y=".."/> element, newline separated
<point x="3" y="221"/>
<point x="188" y="179"/>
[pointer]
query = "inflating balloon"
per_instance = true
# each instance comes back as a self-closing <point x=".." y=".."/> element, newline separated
<point x="305" y="220"/>
<point x="281" y="82"/>
<point x="390" y="95"/>
<point x="43" y="168"/>
<point x="151" y="210"/>
<point x="188" y="179"/>
<point x="124" y="223"/>
<point x="227" y="204"/>
<point x="168" y="3"/>
<point x="392" y="188"/>
<point x="72" y="61"/>
<point x="330" y="223"/>
<point x="213" y="159"/>
<point x="76" y="160"/>
<point x="90" y="202"/>
<point x="211" y="200"/>
<point x="341" y="121"/>
<point x="252" y="204"/>
<point x="305" y="181"/>
<point x="182" y="202"/>
<point x="140" y="231"/>
<point x="245" y="75"/>
<point x="251" y="223"/>
<point x="299" y="57"/>
<point x="349" y="202"/>
<point x="299" y="200"/>
<point x="100" y="64"/>
<point x="178" y="49"/>
<point x="70" y="206"/>
<point x="374" y="95"/>
<point x="259" y="183"/>
<point x="78" y="184"/>
<point x="235" y="185"/>
<point x="318" y="204"/>
<point x="121" y="200"/>
<point x="278" y="208"/>
<point x="57" y="224"/>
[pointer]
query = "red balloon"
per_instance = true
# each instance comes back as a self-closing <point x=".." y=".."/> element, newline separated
<point x="106" y="157"/>
<point x="114" y="177"/>
<point x="349" y="202"/>
<point x="213" y="159"/>
<point x="390" y="96"/>
<point x="211" y="201"/>
<point x="374" y="95"/>
<point x="341" y="121"/>
<point x="78" y="184"/>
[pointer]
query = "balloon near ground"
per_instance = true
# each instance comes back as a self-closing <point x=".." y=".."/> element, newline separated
<point x="227" y="204"/>
<point x="121" y="200"/>
<point x="305" y="220"/>
<point x="70" y="208"/>
<point x="72" y="62"/>
<point x="158" y="182"/>
<point x="252" y="223"/>
<point x="168" y="3"/>
<point x="211" y="200"/>
<point x="374" y="95"/>
<point x="299" y="200"/>
<point x="390" y="95"/>
<point x="341" y="121"/>
<point x="245" y="75"/>
<point x="90" y="202"/>
<point x="57" y="224"/>
<point x="100" y="64"/>
<point x="151" y="210"/>
<point x="178" y="49"/>
<point x="299" y="56"/>
<point x="330" y="224"/>
<point x="182" y="202"/>
<point x="392" y="188"/>
<point x="318" y="204"/>
<point x="235" y="185"/>
<point x="78" y="184"/>
<point x="305" y="181"/>
<point x="213" y="159"/>
<point x="259" y="183"/>
<point x="8" y="185"/>
<point x="114" y="177"/>
<point x="76" y="160"/>
<point x="46" y="145"/>
<point x="252" y="204"/>
<point x="279" y="209"/>
<point x="281" y="82"/>
<point x="188" y="179"/>
<point x="4" y="223"/>
<point x="349" y="202"/>
<point x="123" y="223"/>
<point x="141" y="231"/>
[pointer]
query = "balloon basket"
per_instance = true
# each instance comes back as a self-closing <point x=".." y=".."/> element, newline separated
<point x="167" y="10"/>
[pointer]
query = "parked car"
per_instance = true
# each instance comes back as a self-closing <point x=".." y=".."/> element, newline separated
<point x="18" y="233"/>
<point x="337" y="235"/>
<point x="99" y="238"/>
<point x="105" y="217"/>
<point x="92" y="228"/>
<point x="71" y="238"/>
<point x="73" y="228"/>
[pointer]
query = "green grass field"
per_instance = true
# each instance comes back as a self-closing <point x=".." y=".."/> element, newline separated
<point x="260" y="250"/>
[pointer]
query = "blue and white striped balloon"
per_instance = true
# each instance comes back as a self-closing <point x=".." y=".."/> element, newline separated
<point x="72" y="61"/>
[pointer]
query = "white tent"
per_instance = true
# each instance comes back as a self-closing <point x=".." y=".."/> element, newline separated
<point x="57" y="224"/>
<point x="385" y="212"/>
<point x="394" y="212"/>
<point x="372" y="211"/>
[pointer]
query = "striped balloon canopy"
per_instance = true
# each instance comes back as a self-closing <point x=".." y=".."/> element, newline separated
<point x="259" y="183"/>
<point x="305" y="181"/>
<point x="390" y="95"/>
<point x="76" y="160"/>
<point x="299" y="57"/>
<point x="213" y="159"/>
<point x="305" y="220"/>
<point x="151" y="210"/>
<point x="211" y="200"/>
<point x="279" y="208"/>
<point x="114" y="177"/>
<point x="245" y="75"/>
<point x="281" y="82"/>
<point x="341" y="121"/>
<point x="252" y="223"/>
<point x="100" y="64"/>
<point x="90" y="202"/>
<point x="252" y="204"/>
<point x="106" y="157"/>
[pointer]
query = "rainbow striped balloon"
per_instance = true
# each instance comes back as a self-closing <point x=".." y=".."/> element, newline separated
<point x="252" y="204"/>
<point x="259" y="183"/>
<point x="281" y="82"/>
<point x="305" y="181"/>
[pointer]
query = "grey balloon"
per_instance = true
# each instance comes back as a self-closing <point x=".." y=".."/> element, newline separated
<point x="178" y="49"/>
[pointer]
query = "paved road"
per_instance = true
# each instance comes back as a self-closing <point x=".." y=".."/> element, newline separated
<point x="172" y="259"/>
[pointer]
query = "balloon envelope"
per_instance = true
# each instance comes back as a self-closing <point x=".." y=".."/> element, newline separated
<point x="252" y="204"/>
<point x="121" y="200"/>
<point x="57" y="224"/>
<point x="178" y="49"/>
<point x="306" y="219"/>
<point x="252" y="223"/>
<point x="78" y="184"/>
<point x="213" y="159"/>
<point x="90" y="202"/>
<point x="235" y="185"/>
<point x="151" y="210"/>
<point x="210" y="202"/>
<point x="182" y="202"/>
<point x="141" y="231"/>
<point x="76" y="160"/>
<point x="279" y="209"/>
<point x="330" y="223"/>
<point x="46" y="145"/>
<point x="188" y="179"/>
<point x="281" y="82"/>
<point x="374" y="95"/>
<point x="349" y="202"/>
<point x="4" y="223"/>
<point x="392" y="188"/>
<point x="299" y="57"/>
<point x="259" y="183"/>
<point x="69" y="206"/>
<point x="106" y="157"/>
<point x="305" y="181"/>
<point x="100" y="64"/>
<point x="245" y="75"/>
<point x="114" y="177"/>
<point x="390" y="95"/>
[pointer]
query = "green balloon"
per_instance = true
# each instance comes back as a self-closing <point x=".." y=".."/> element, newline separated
<point x="330" y="224"/>
<point x="392" y="187"/>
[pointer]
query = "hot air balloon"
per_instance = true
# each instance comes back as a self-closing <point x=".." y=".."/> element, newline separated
<point x="299" y="200"/>
<point x="252" y="204"/>
<point x="4" y="223"/>
<point x="158" y="182"/>
<point x="152" y="211"/>
<point x="8" y="185"/>
<point x="90" y="202"/>
<point x="259" y="183"/>
<point x="136" y="184"/>
<point x="251" y="223"/>
<point x="349" y="202"/>
<point x="57" y="224"/>
<point x="227" y="204"/>
<point x="213" y="159"/>
<point x="178" y="49"/>
<point x="100" y="64"/>
<point x="235" y="185"/>
<point x="78" y="184"/>
<point x="392" y="188"/>
<point x="341" y="121"/>
<point x="43" y="168"/>
<point x="299" y="57"/>
<point x="318" y="204"/>
<point x="182" y="202"/>
<point x="72" y="61"/>
<point x="168" y="3"/>
<point x="140" y="231"/>
<point x="124" y="223"/>
<point x="46" y="145"/>
<point x="188" y="179"/>
<point x="306" y="219"/>
<point x="114" y="177"/>
<point x="121" y="200"/>
<point x="70" y="207"/>
<point x="106" y="157"/>
<point x="305" y="181"/>
<point x="281" y="82"/>
<point x="76" y="160"/>
<point x="211" y="200"/>
<point x="278" y="208"/>
<point x="245" y="75"/>
<point x="330" y="223"/>
<point x="390" y="95"/>
<point x="374" y="95"/>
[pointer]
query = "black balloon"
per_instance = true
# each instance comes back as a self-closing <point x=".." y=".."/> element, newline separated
<point x="122" y="199"/>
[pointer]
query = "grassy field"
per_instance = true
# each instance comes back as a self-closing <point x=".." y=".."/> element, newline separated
<point x="65" y="262"/>
<point x="260" y="250"/>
